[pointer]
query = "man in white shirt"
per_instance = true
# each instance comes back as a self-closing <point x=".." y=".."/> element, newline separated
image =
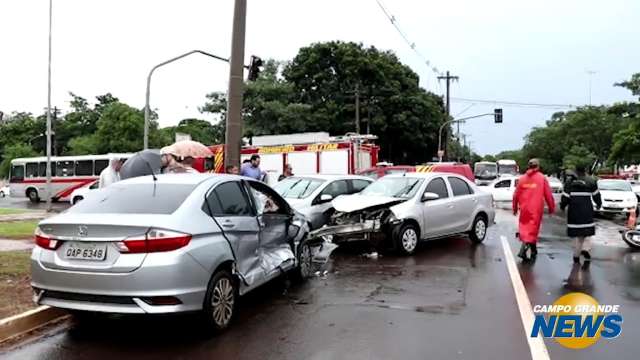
<point x="111" y="173"/>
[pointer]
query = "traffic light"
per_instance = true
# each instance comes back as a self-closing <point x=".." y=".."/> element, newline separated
<point x="497" y="116"/>
<point x="254" y="68"/>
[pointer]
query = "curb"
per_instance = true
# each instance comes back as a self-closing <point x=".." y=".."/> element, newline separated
<point x="20" y="324"/>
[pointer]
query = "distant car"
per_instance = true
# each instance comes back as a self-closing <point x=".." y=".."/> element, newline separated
<point x="635" y="185"/>
<point x="397" y="211"/>
<point x="312" y="195"/>
<point x="447" y="167"/>
<point x="4" y="191"/>
<point x="617" y="197"/>
<point x="503" y="188"/>
<point x="80" y="193"/>
<point x="556" y="185"/>
<point x="176" y="243"/>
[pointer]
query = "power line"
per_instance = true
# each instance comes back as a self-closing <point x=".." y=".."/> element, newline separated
<point x="404" y="36"/>
<point x="515" y="103"/>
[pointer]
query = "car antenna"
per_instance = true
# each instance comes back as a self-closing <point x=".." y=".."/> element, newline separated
<point x="151" y="169"/>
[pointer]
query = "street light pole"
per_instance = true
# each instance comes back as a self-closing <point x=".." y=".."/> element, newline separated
<point x="233" y="135"/>
<point x="49" y="111"/>
<point x="440" y="151"/>
<point x="148" y="94"/>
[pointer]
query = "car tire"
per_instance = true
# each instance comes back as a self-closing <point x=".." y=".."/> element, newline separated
<point x="32" y="194"/>
<point x="479" y="229"/>
<point x="304" y="270"/>
<point x="77" y="199"/>
<point x="632" y="243"/>
<point x="220" y="301"/>
<point x="406" y="239"/>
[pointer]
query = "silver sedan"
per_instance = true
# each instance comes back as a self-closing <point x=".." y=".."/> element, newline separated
<point x="176" y="243"/>
<point x="312" y="195"/>
<point x="400" y="210"/>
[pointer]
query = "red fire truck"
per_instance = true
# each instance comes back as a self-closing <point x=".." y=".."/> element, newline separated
<point x="337" y="155"/>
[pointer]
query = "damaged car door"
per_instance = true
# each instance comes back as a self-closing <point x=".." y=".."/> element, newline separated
<point x="230" y="207"/>
<point x="273" y="218"/>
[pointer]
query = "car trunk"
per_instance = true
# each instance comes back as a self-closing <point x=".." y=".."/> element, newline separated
<point x="89" y="243"/>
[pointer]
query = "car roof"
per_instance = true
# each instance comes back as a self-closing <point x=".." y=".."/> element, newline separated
<point x="332" y="177"/>
<point x="186" y="178"/>
<point x="425" y="175"/>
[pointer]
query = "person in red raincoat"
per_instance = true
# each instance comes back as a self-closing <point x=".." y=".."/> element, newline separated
<point x="532" y="192"/>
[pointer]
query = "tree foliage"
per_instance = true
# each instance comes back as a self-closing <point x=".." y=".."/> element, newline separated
<point x="316" y="92"/>
<point x="11" y="152"/>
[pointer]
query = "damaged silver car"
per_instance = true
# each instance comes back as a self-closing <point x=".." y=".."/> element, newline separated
<point x="397" y="211"/>
<point x="168" y="244"/>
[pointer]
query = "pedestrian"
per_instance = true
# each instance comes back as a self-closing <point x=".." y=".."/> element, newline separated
<point x="531" y="193"/>
<point x="252" y="168"/>
<point x="232" y="169"/>
<point x="288" y="171"/>
<point x="578" y="195"/>
<point x="111" y="174"/>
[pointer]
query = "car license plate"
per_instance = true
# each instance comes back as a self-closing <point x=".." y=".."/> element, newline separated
<point x="86" y="251"/>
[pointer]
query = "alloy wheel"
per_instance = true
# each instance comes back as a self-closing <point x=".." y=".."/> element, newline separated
<point x="222" y="302"/>
<point x="409" y="240"/>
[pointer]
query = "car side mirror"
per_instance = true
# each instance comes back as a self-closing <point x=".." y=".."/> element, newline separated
<point x="429" y="196"/>
<point x="325" y="198"/>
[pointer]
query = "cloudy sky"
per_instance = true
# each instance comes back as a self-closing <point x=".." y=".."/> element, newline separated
<point x="504" y="50"/>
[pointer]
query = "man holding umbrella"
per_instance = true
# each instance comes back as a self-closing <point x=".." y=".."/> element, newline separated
<point x="171" y="159"/>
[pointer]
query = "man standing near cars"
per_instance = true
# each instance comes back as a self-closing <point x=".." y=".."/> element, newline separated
<point x="111" y="173"/>
<point x="288" y="171"/>
<point x="532" y="192"/>
<point x="252" y="168"/>
<point x="577" y="196"/>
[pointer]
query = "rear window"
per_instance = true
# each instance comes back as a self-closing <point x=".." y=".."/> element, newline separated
<point x="134" y="199"/>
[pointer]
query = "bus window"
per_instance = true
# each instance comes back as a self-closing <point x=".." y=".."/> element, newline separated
<point x="84" y="168"/>
<point x="99" y="166"/>
<point x="64" y="168"/>
<point x="43" y="169"/>
<point x="32" y="170"/>
<point x="17" y="173"/>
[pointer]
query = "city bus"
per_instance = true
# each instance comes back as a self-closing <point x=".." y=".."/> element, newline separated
<point x="28" y="177"/>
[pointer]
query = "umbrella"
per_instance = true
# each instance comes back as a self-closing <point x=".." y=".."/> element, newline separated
<point x="145" y="162"/>
<point x="186" y="148"/>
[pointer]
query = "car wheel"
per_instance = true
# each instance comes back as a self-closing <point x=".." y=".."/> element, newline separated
<point x="77" y="199"/>
<point x="406" y="239"/>
<point x="32" y="194"/>
<point x="305" y="262"/>
<point x="220" y="301"/>
<point x="479" y="229"/>
<point x="627" y="236"/>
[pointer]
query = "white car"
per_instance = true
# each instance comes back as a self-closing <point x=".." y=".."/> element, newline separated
<point x="502" y="189"/>
<point x="80" y="193"/>
<point x="311" y="195"/>
<point x="617" y="197"/>
<point x="4" y="191"/>
<point x="556" y="185"/>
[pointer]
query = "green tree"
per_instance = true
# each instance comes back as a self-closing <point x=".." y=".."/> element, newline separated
<point x="578" y="155"/>
<point x="12" y="152"/>
<point x="489" y="158"/>
<point x="120" y="128"/>
<point x="84" y="145"/>
<point x="632" y="84"/>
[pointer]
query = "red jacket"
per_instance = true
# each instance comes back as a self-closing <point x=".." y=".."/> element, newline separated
<point x="532" y="192"/>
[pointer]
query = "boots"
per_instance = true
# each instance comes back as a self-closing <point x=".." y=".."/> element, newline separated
<point x="523" y="251"/>
<point x="534" y="251"/>
<point x="586" y="254"/>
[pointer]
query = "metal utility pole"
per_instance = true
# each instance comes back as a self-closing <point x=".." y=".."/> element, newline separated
<point x="591" y="73"/>
<point x="147" y="110"/>
<point x="49" y="111"/>
<point x="357" y="109"/>
<point x="448" y="78"/>
<point x="233" y="135"/>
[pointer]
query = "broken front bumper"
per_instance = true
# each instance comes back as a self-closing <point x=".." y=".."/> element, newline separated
<point x="348" y="231"/>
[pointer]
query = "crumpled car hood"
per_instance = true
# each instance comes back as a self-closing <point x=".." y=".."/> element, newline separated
<point x="356" y="202"/>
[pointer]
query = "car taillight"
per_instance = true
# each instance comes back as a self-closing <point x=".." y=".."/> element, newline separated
<point x="154" y="241"/>
<point x="45" y="241"/>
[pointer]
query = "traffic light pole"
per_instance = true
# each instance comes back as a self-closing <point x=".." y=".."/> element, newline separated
<point x="461" y="120"/>
<point x="233" y="134"/>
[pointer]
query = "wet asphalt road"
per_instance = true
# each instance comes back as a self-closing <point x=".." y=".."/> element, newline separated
<point x="452" y="300"/>
<point x="24" y="203"/>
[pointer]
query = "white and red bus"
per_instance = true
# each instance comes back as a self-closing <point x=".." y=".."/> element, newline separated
<point x="28" y="177"/>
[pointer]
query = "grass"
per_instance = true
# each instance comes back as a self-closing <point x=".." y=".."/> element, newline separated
<point x="5" y="211"/>
<point x="14" y="263"/>
<point x="18" y="229"/>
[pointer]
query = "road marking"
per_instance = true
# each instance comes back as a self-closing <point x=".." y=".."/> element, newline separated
<point x="536" y="345"/>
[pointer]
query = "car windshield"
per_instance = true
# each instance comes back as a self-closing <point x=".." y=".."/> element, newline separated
<point x="508" y="169"/>
<point x="398" y="187"/>
<point x="134" y="199"/>
<point x="486" y="170"/>
<point x="297" y="188"/>
<point x="614" y="185"/>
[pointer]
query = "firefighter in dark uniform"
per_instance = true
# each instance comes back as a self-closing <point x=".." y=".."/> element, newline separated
<point x="577" y="195"/>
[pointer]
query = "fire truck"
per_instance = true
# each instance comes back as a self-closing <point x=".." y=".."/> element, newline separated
<point x="307" y="153"/>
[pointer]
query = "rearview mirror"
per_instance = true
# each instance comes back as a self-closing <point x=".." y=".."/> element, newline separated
<point x="429" y="196"/>
<point x="326" y="198"/>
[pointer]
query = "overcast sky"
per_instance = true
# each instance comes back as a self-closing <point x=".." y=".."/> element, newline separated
<point x="522" y="51"/>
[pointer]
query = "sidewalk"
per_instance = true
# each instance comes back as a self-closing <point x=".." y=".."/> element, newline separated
<point x="31" y="215"/>
<point x="11" y="245"/>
